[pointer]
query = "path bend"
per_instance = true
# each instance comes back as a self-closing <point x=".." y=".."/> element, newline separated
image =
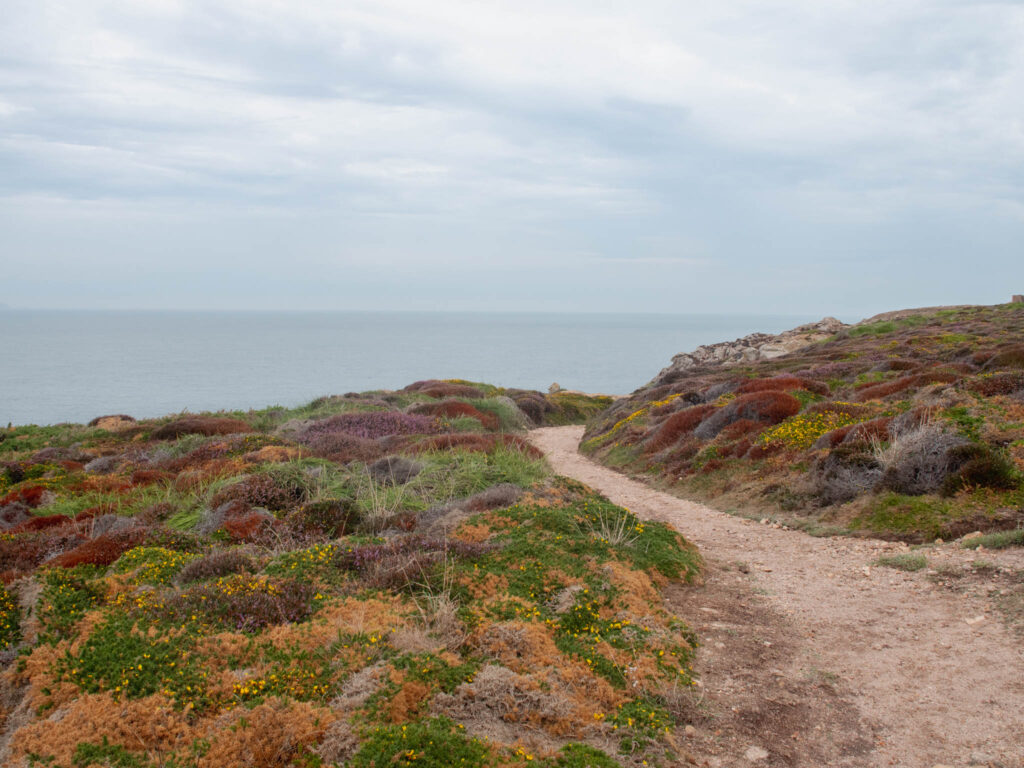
<point x="936" y="677"/>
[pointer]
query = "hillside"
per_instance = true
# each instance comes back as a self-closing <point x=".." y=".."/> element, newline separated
<point x="385" y="578"/>
<point x="906" y="426"/>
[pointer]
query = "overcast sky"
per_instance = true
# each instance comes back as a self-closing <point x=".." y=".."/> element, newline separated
<point x="793" y="156"/>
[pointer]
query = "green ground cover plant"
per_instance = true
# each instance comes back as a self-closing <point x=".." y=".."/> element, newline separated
<point x="360" y="581"/>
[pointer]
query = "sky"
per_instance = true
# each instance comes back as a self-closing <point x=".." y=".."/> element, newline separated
<point x="773" y="156"/>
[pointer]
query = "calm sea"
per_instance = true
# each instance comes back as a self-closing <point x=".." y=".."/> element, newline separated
<point x="73" y="366"/>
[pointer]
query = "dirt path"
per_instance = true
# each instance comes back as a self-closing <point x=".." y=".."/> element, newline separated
<point x="818" y="657"/>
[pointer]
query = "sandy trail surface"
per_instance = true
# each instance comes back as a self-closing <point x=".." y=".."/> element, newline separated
<point x="813" y="655"/>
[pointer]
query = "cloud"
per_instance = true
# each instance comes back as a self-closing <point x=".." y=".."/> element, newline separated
<point x="391" y="132"/>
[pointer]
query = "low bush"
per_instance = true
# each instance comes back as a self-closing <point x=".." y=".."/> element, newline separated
<point x="441" y="389"/>
<point x="783" y="384"/>
<point x="996" y="540"/>
<point x="471" y="441"/>
<point x="330" y="518"/>
<point x="243" y="603"/>
<point x="979" y="466"/>
<point x="454" y="409"/>
<point x="845" y="473"/>
<point x="766" y="407"/>
<point x="262" y="489"/>
<point x="123" y="659"/>
<point x="103" y="550"/>
<point x="216" y="565"/>
<point x="433" y="743"/>
<point x="997" y="384"/>
<point x="904" y="562"/>
<point x="152" y="565"/>
<point x="919" y="461"/>
<point x="394" y="470"/>
<point x="10" y="618"/>
<point x="200" y="425"/>
<point x="371" y="426"/>
<point x="886" y="388"/>
<point x="675" y="426"/>
<point x="1007" y="358"/>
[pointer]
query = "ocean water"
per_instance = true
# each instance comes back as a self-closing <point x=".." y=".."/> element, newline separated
<point x="72" y="366"/>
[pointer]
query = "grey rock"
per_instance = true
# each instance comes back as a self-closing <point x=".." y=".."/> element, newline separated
<point x="756" y="346"/>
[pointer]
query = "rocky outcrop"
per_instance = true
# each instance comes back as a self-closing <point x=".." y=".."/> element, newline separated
<point x="756" y="346"/>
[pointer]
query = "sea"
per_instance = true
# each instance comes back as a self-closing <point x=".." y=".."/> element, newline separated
<point x="71" y="366"/>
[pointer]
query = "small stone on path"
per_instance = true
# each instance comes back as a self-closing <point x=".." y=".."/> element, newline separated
<point x="753" y="754"/>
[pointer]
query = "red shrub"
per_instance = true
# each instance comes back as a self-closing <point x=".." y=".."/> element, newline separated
<point x="678" y="424"/>
<point x="30" y="495"/>
<point x="771" y="407"/>
<point x="886" y="388"/>
<point x="441" y="389"/>
<point x="471" y="441"/>
<point x="453" y="409"/>
<point x="741" y="428"/>
<point x="200" y="425"/>
<point x="41" y="523"/>
<point x="876" y="429"/>
<point x="847" y="409"/>
<point x="1000" y="384"/>
<point x="24" y="553"/>
<point x="740" y="449"/>
<point x="343" y="448"/>
<point x="783" y="383"/>
<point x="761" y="451"/>
<point x="150" y="476"/>
<point x="250" y="526"/>
<point x="102" y="550"/>
<point x="71" y="466"/>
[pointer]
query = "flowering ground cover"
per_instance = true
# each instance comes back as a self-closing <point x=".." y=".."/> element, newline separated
<point x="180" y="592"/>
<point x="909" y="428"/>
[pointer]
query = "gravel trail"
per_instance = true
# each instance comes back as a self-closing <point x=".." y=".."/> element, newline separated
<point x="935" y="675"/>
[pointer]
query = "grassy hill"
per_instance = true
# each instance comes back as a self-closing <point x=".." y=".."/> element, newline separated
<point x="909" y="426"/>
<point x="386" y="578"/>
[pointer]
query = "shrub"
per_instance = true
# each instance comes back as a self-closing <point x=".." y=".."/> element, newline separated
<point x="22" y="554"/>
<point x="904" y="562"/>
<point x="344" y="448"/>
<point x="767" y="407"/>
<point x="678" y="424"/>
<point x="331" y="518"/>
<point x="979" y="466"/>
<point x="261" y="490"/>
<point x="453" y="409"/>
<point x="41" y="523"/>
<point x="254" y="525"/>
<point x="152" y="565"/>
<point x="29" y="495"/>
<point x="67" y="594"/>
<point x="123" y="659"/>
<point x="783" y="383"/>
<point x="10" y="618"/>
<point x="804" y="429"/>
<point x="533" y="404"/>
<point x="845" y="473"/>
<point x="438" y="388"/>
<point x="243" y="603"/>
<point x="877" y="391"/>
<point x="394" y="470"/>
<point x="216" y="565"/>
<point x="433" y="743"/>
<point x="919" y="461"/>
<point x="200" y="425"/>
<point x="1008" y="358"/>
<point x="471" y="441"/>
<point x="998" y="384"/>
<point x="102" y="550"/>
<point x="371" y="426"/>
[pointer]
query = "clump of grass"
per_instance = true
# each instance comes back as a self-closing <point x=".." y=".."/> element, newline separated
<point x="997" y="540"/>
<point x="908" y="561"/>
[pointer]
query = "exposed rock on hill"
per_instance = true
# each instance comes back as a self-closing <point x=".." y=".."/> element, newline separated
<point x="756" y="346"/>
